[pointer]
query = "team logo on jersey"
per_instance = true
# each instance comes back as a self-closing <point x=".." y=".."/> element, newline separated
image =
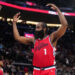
<point x="41" y="45"/>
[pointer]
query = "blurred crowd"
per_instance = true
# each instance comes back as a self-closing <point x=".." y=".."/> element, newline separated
<point x="17" y="58"/>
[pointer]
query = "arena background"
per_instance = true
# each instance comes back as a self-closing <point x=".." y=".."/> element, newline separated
<point x="17" y="58"/>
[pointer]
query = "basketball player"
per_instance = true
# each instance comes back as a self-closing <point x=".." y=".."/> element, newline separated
<point x="44" y="45"/>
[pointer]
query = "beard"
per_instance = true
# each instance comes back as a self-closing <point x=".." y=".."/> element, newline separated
<point x="39" y="34"/>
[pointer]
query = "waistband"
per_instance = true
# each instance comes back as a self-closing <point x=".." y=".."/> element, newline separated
<point x="44" y="68"/>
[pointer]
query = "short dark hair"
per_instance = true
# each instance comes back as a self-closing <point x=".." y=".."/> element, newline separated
<point x="44" y="25"/>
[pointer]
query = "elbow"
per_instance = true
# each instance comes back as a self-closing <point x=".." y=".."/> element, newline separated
<point x="17" y="38"/>
<point x="66" y="25"/>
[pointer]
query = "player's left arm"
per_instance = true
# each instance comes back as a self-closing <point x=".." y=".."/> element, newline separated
<point x="64" y="24"/>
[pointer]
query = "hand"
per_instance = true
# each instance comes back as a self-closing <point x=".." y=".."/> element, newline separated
<point x="53" y="6"/>
<point x="16" y="17"/>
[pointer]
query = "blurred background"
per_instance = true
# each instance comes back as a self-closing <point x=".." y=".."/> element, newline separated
<point x="16" y="57"/>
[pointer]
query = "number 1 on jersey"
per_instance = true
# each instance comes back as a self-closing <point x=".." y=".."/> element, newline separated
<point x="45" y="51"/>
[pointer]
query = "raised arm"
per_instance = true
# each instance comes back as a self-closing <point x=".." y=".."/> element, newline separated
<point x="61" y="30"/>
<point x="17" y="36"/>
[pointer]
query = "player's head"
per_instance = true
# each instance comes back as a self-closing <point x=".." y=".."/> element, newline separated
<point x="40" y="30"/>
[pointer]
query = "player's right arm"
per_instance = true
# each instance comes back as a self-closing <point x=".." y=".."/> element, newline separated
<point x="17" y="36"/>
